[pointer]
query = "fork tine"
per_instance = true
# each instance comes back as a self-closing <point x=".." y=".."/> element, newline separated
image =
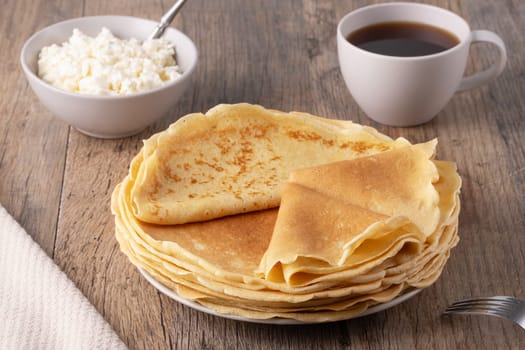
<point x="481" y="303"/>
<point x="495" y="297"/>
<point x="482" y="313"/>
<point x="505" y="307"/>
<point x="483" y="308"/>
<point x="505" y="299"/>
<point x="480" y="308"/>
<point x="502" y="304"/>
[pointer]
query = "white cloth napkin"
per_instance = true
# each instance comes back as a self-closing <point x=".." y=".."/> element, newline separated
<point x="40" y="308"/>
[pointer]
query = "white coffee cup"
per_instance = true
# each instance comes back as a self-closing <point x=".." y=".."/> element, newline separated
<point x="407" y="91"/>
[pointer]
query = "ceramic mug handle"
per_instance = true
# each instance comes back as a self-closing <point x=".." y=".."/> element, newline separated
<point x="494" y="70"/>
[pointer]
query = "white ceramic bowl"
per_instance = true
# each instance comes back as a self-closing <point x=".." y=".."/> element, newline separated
<point x="108" y="116"/>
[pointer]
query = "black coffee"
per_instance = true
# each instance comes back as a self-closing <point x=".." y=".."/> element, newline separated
<point x="403" y="39"/>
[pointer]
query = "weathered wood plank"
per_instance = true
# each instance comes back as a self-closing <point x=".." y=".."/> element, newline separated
<point x="33" y="143"/>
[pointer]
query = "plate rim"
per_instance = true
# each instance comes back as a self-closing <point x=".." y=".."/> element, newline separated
<point x="276" y="320"/>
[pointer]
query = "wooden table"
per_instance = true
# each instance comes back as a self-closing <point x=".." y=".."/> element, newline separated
<point x="282" y="54"/>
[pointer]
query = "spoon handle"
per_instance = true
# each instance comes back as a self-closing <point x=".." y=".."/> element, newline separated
<point x="166" y="20"/>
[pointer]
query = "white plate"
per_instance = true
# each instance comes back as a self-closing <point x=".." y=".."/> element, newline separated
<point x="279" y="321"/>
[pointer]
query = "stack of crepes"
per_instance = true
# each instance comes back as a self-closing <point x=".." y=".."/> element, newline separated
<point x="265" y="214"/>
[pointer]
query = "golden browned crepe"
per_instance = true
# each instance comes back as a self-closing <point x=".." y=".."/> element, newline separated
<point x="235" y="158"/>
<point x="329" y="211"/>
<point x="354" y="228"/>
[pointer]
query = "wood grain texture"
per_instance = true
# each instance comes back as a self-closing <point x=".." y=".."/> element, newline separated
<point x="282" y="54"/>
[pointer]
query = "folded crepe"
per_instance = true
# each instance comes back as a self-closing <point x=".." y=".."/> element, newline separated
<point x="339" y="215"/>
<point x="235" y="158"/>
<point x="362" y="217"/>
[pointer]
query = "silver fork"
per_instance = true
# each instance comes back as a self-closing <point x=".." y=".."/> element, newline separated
<point x="506" y="307"/>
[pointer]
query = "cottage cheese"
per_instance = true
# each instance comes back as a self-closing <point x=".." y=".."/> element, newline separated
<point x="106" y="65"/>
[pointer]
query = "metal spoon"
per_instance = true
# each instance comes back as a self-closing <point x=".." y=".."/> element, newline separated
<point x="166" y="20"/>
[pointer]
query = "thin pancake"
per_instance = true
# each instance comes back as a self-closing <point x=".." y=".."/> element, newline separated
<point x="235" y="158"/>
<point x="329" y="211"/>
<point x="379" y="217"/>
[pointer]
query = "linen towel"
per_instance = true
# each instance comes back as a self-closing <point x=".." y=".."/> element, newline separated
<point x="40" y="308"/>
